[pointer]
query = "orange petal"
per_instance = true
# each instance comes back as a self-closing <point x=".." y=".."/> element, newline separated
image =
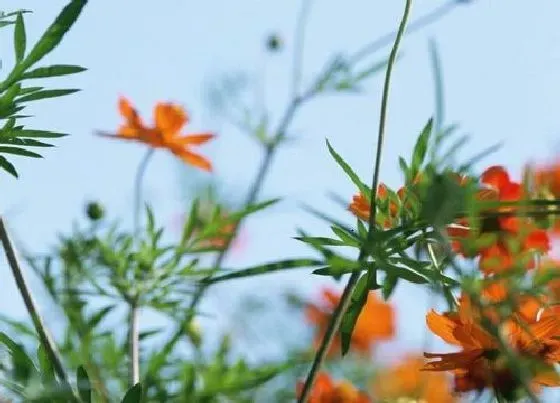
<point x="193" y="159"/>
<point x="442" y="326"/>
<point x="451" y="361"/>
<point x="495" y="176"/>
<point x="169" y="119"/>
<point x="195" y="139"/>
<point x="548" y="378"/>
<point x="537" y="239"/>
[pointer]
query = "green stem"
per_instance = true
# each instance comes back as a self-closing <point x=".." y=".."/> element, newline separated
<point x="138" y="180"/>
<point x="42" y="330"/>
<point x="345" y="299"/>
<point x="133" y="345"/>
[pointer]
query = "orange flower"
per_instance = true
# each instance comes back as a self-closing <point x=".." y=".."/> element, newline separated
<point x="169" y="119"/>
<point x="375" y="323"/>
<point x="325" y="390"/>
<point x="407" y="380"/>
<point x="532" y="334"/>
<point x="505" y="229"/>
<point x="360" y="207"/>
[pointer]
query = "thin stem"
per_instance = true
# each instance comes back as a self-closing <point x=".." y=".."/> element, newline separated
<point x="345" y="299"/>
<point x="138" y="180"/>
<point x="44" y="334"/>
<point x="420" y="23"/>
<point x="301" y="24"/>
<point x="133" y="345"/>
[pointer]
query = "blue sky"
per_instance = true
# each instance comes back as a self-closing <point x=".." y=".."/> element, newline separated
<point x="501" y="84"/>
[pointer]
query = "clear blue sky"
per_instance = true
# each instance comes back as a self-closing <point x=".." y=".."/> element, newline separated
<point x="502" y="84"/>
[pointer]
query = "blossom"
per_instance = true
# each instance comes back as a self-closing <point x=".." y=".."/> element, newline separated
<point x="169" y="119"/>
<point x="500" y="237"/>
<point x="387" y="207"/>
<point x="376" y="321"/>
<point x="325" y="390"/>
<point x="531" y="332"/>
<point x="407" y="380"/>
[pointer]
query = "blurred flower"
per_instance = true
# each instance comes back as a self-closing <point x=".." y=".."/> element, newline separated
<point x="169" y="119"/>
<point x="325" y="390"/>
<point x="406" y="380"/>
<point x="375" y="323"/>
<point x="500" y="237"/>
<point x="531" y="333"/>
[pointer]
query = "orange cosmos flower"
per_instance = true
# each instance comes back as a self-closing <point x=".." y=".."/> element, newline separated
<point x="375" y="323"/>
<point x="407" y="380"/>
<point x="360" y="207"/>
<point x="169" y="119"/>
<point x="325" y="390"/>
<point x="532" y="334"/>
<point x="501" y="231"/>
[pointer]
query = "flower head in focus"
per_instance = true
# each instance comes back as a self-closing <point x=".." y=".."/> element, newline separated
<point x="375" y="323"/>
<point x="531" y="332"/>
<point x="169" y="120"/>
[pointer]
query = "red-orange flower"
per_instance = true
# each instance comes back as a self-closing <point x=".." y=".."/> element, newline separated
<point x="531" y="333"/>
<point x="360" y="207"/>
<point x="375" y="323"/>
<point x="325" y="390"/>
<point x="501" y="238"/>
<point x="169" y="119"/>
<point x="407" y="380"/>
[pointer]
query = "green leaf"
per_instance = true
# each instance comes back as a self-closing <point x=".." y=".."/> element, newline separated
<point x="8" y="166"/>
<point x="357" y="301"/>
<point x="364" y="189"/>
<point x="266" y="269"/>
<point x="47" y="370"/>
<point x="389" y="284"/>
<point x="133" y="395"/>
<point x="421" y="147"/>
<point x="84" y="385"/>
<point x="317" y="240"/>
<point x="190" y="224"/>
<point x="404" y="273"/>
<point x="55" y="70"/>
<point x="98" y="317"/>
<point x="54" y="34"/>
<point x="34" y="134"/>
<point x="349" y="239"/>
<point x="44" y="94"/>
<point x="24" y="369"/>
<point x="19" y="151"/>
<point x="19" y="38"/>
<point x="15" y="141"/>
<point x="405" y="170"/>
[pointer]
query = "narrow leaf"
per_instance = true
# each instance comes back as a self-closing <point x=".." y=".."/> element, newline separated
<point x="364" y="189"/>
<point x="421" y="147"/>
<point x="8" y="166"/>
<point x="84" y="385"/>
<point x="55" y="70"/>
<point x="133" y="395"/>
<point x="54" y="34"/>
<point x="19" y="151"/>
<point x="44" y="94"/>
<point x="19" y="38"/>
<point x="357" y="301"/>
<point x="266" y="269"/>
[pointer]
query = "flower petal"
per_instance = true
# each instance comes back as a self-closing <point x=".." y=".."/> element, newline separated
<point x="169" y="119"/>
<point x="193" y="159"/>
<point x="195" y="139"/>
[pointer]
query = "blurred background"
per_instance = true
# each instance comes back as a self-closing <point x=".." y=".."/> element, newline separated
<point x="500" y="69"/>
